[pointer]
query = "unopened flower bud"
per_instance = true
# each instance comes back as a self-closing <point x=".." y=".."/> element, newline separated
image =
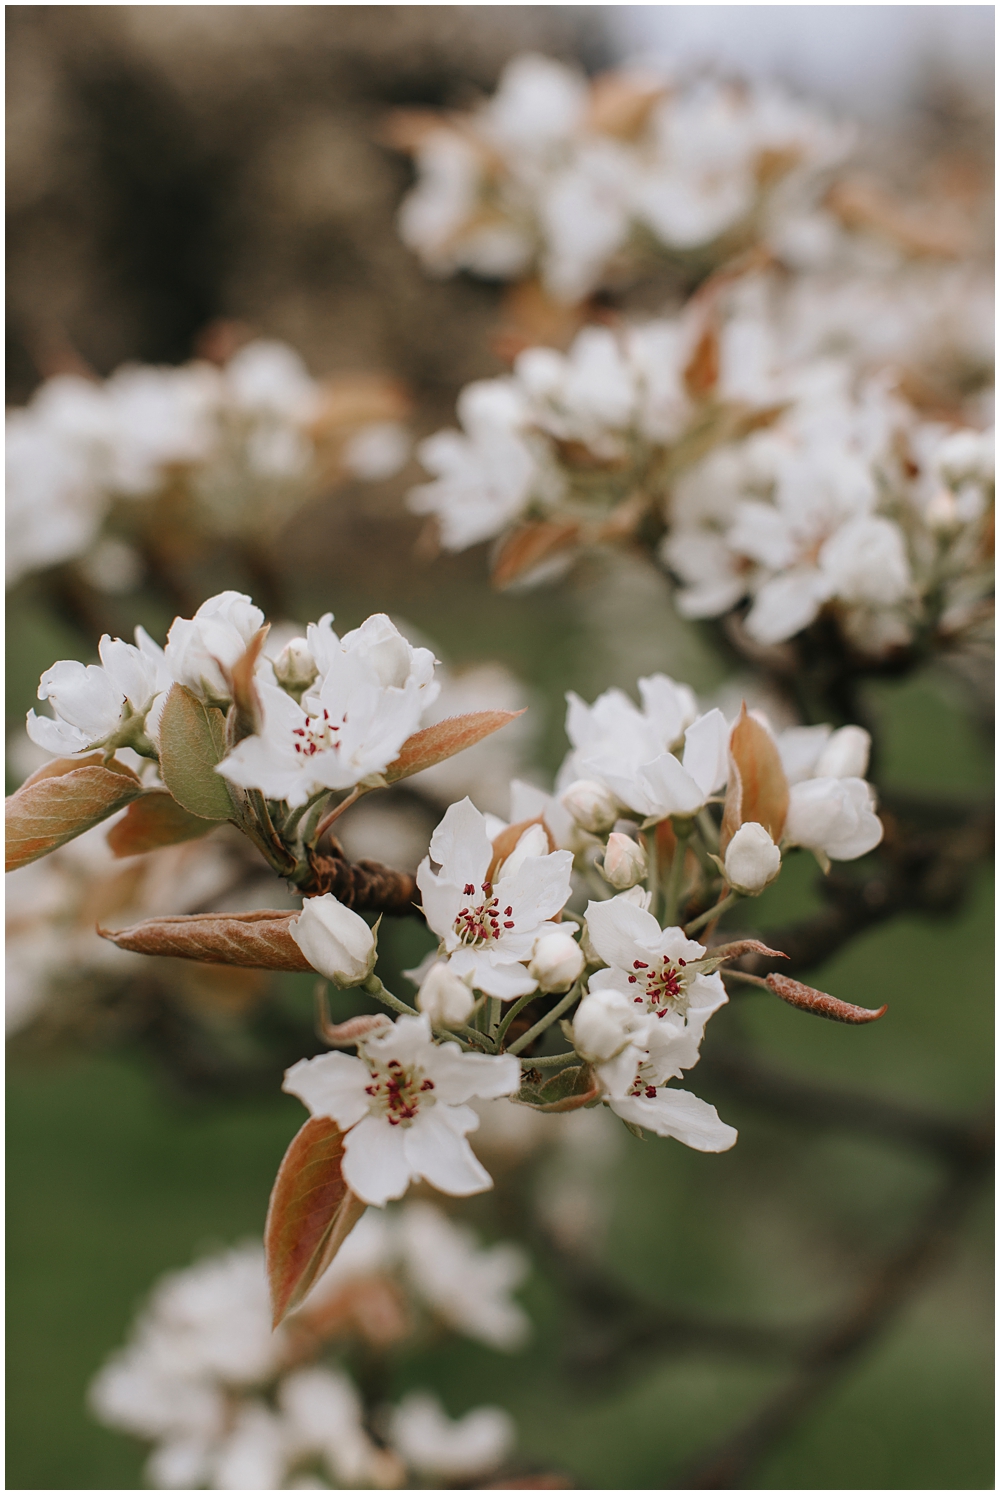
<point x="591" y="804"/>
<point x="335" y="940"/>
<point x="295" y="669"/>
<point x="752" y="859"/>
<point x="444" y="997"/>
<point x="624" y="861"/>
<point x="557" y="961"/>
<point x="845" y="755"/>
<point x="601" y="1026"/>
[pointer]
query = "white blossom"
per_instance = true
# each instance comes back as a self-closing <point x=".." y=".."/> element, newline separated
<point x="335" y="940"/>
<point x="403" y="1107"/>
<point x="470" y="1447"/>
<point x="833" y="817"/>
<point x="468" y="1286"/>
<point x="445" y="998"/>
<point x="625" y="862"/>
<point x="371" y="690"/>
<point x="488" y="929"/>
<point x="103" y="705"/>
<point x="557" y="961"/>
<point x="752" y="859"/>
<point x="201" y="651"/>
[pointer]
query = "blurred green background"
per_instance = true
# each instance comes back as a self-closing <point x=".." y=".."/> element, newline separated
<point x="149" y="197"/>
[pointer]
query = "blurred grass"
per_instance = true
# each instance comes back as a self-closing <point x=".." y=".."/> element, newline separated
<point x="112" y="1181"/>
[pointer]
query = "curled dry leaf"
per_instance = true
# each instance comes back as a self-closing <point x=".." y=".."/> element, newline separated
<point x="444" y="740"/>
<point x="53" y="808"/>
<point x="259" y="939"/>
<point x="736" y="948"/>
<point x="155" y="820"/>
<point x="701" y="374"/>
<point x="339" y="1035"/>
<point x="796" y="994"/>
<point x="245" y="718"/>
<point x="758" y="788"/>
<point x="530" y="546"/>
<point x="310" y="1214"/>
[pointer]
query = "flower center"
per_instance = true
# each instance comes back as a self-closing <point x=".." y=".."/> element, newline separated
<point x="398" y="1093"/>
<point x="479" y="923"/>
<point x="317" y="736"/>
<point x="664" y="983"/>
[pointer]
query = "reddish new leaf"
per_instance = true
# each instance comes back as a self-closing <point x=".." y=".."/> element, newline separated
<point x="820" y="1002"/>
<point x="736" y="948"/>
<point x="259" y="939"/>
<point x="444" y="740"/>
<point x="530" y="546"/>
<point x="245" y="716"/>
<point x="758" y="788"/>
<point x="52" y="808"/>
<point x="310" y="1214"/>
<point x="155" y="820"/>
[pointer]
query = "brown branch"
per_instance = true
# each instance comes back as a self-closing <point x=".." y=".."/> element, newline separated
<point x="367" y="886"/>
<point x="837" y="1347"/>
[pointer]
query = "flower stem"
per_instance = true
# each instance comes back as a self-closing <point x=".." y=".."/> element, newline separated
<point x="336" y="813"/>
<point x="493" y="1010"/>
<point x="672" y="893"/>
<point x="549" y="1061"/>
<point x="518" y="1006"/>
<point x="712" y="914"/>
<point x="573" y="995"/>
<point x="373" y="986"/>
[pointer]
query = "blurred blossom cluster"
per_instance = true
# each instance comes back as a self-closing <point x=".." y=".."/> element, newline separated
<point x="218" y="451"/>
<point x="229" y="1403"/>
<point x="582" y="181"/>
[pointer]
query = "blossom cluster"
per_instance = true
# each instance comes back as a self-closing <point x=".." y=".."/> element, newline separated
<point x="230" y="450"/>
<point x="230" y="1404"/>
<point x="333" y="710"/>
<point x="784" y="478"/>
<point x="582" y="181"/>
<point x="633" y="806"/>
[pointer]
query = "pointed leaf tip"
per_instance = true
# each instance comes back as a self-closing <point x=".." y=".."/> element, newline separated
<point x="796" y="994"/>
<point x="310" y="1214"/>
<point x="445" y="739"/>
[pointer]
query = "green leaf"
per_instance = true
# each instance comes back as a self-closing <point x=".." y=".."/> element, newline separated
<point x="54" y="807"/>
<point x="310" y="1214"/>
<point x="155" y="820"/>
<point x="567" y="1090"/>
<point x="192" y="742"/>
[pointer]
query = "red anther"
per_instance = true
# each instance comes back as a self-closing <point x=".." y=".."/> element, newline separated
<point x="427" y="1085"/>
<point x="508" y="924"/>
<point x="633" y="980"/>
<point x="371" y="1089"/>
<point x="468" y="890"/>
<point x="637" y="999"/>
<point x="682" y="962"/>
<point x="394" y="1064"/>
<point x="508" y="912"/>
<point x="639" y="965"/>
<point x="487" y="888"/>
<point x="393" y="1120"/>
<point x="650" y="1092"/>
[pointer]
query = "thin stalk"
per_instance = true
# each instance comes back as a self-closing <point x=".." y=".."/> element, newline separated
<point x="336" y="813"/>
<point x="473" y="1039"/>
<point x="746" y="976"/>
<point x="373" y="986"/>
<point x="709" y="829"/>
<point x="573" y="995"/>
<point x="493" y="1010"/>
<point x="712" y="914"/>
<point x="549" y="1061"/>
<point x="518" y="1006"/>
<point x="291" y="821"/>
<point x="672" y="892"/>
